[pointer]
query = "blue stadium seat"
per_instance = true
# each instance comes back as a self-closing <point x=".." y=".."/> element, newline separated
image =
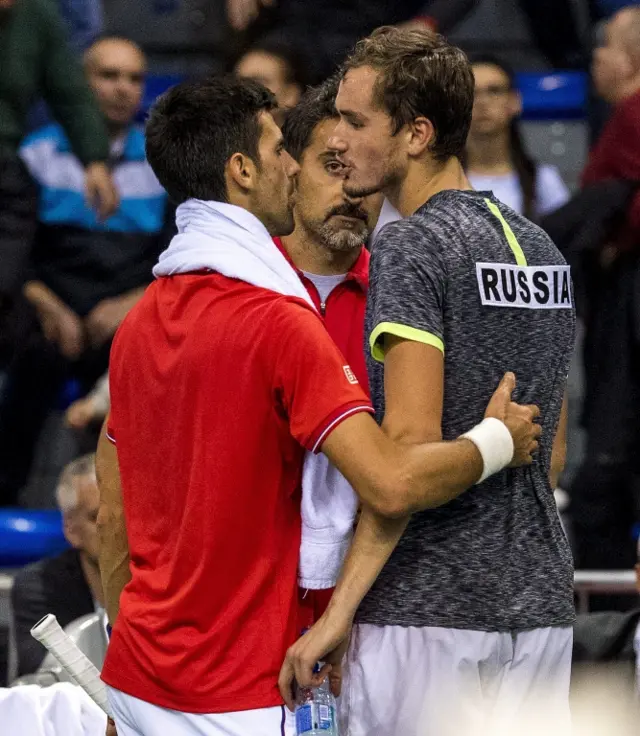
<point x="553" y="96"/>
<point x="28" y="536"/>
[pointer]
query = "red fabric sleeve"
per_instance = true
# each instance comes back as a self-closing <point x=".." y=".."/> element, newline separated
<point x="317" y="387"/>
<point x="617" y="153"/>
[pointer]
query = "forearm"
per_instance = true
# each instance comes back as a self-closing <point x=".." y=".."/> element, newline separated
<point x="436" y="473"/>
<point x="375" y="539"/>
<point x="112" y="532"/>
<point x="114" y="559"/>
<point x="73" y="104"/>
<point x="131" y="298"/>
<point x="40" y="295"/>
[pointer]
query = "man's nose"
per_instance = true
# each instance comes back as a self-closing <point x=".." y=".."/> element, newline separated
<point x="292" y="167"/>
<point x="337" y="143"/>
<point x="337" y="140"/>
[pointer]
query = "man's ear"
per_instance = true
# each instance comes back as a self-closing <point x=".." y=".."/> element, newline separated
<point x="70" y="531"/>
<point x="420" y="133"/>
<point x="241" y="172"/>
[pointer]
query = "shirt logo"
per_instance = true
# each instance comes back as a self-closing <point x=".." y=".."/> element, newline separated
<point x="351" y="376"/>
<point x="526" y="287"/>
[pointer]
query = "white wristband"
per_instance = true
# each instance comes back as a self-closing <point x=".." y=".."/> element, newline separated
<point x="495" y="444"/>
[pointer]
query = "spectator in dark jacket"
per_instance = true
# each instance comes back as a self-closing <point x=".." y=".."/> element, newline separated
<point x="85" y="273"/>
<point x="67" y="585"/>
<point x="605" y="493"/>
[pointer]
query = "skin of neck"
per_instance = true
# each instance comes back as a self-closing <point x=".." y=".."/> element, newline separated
<point x="628" y="89"/>
<point x="92" y="576"/>
<point x="423" y="180"/>
<point x="309" y="254"/>
<point x="489" y="154"/>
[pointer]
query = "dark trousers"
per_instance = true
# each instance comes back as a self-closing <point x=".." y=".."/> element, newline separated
<point x="604" y="506"/>
<point x="33" y="385"/>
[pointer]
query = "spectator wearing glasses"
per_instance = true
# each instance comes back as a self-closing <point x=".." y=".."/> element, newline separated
<point x="496" y="157"/>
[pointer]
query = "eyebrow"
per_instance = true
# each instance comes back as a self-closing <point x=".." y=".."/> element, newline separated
<point x="114" y="70"/>
<point x="352" y="115"/>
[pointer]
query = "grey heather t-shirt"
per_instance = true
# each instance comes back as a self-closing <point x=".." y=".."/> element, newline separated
<point x="471" y="277"/>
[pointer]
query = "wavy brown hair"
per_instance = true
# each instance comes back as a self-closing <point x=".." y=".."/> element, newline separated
<point x="420" y="75"/>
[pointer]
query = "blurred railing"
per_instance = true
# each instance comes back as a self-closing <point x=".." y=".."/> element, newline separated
<point x="590" y="582"/>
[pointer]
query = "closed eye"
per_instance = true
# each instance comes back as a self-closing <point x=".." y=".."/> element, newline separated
<point x="354" y="122"/>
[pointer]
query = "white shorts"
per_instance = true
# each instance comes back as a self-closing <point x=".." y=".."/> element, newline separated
<point x="136" y="717"/>
<point x="404" y="681"/>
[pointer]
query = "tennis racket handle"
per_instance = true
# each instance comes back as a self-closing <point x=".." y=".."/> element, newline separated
<point x="49" y="633"/>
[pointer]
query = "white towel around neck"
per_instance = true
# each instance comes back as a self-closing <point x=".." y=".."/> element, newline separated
<point x="233" y="242"/>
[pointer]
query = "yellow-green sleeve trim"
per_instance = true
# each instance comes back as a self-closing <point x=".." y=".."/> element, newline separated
<point x="403" y="331"/>
<point x="508" y="232"/>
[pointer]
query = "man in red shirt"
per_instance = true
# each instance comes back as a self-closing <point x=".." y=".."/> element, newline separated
<point x="219" y="387"/>
<point x="327" y="248"/>
<point x="604" y="493"/>
<point x="616" y="75"/>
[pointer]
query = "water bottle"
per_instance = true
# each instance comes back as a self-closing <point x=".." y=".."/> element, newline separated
<point x="316" y="710"/>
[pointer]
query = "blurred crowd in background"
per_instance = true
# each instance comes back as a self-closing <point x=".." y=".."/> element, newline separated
<point x="555" y="135"/>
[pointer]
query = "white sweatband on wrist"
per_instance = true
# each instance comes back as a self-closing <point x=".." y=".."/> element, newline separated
<point x="495" y="444"/>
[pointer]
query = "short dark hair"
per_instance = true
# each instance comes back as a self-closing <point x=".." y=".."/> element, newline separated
<point x="293" y="59"/>
<point x="195" y="128"/>
<point x="317" y="105"/>
<point x="420" y="73"/>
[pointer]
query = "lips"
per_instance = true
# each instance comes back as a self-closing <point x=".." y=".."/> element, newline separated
<point x="351" y="216"/>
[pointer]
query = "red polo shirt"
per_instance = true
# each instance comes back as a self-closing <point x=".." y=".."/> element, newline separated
<point x="343" y="315"/>
<point x="217" y="389"/>
<point x="344" y="311"/>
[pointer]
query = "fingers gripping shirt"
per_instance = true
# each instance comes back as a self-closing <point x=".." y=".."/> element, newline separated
<point x="474" y="279"/>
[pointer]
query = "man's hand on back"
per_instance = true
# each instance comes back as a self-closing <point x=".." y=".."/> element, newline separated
<point x="519" y="420"/>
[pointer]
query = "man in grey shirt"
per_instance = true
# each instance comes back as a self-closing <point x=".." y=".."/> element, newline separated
<point x="472" y="613"/>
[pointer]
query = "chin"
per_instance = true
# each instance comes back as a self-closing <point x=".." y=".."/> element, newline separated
<point x="343" y="241"/>
<point x="354" y="189"/>
<point x="281" y="228"/>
